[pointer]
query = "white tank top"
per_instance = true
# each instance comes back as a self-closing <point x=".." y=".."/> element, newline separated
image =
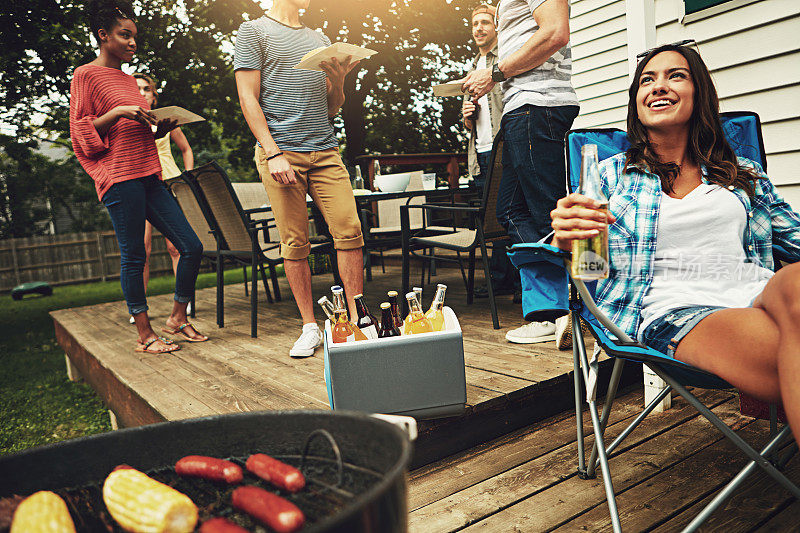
<point x="700" y="258"/>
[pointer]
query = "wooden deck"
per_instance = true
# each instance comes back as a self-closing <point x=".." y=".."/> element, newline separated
<point x="508" y="386"/>
<point x="670" y="468"/>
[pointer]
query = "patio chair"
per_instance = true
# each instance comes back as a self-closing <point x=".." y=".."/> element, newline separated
<point x="238" y="238"/>
<point x="483" y="228"/>
<point x="545" y="294"/>
<point x="386" y="234"/>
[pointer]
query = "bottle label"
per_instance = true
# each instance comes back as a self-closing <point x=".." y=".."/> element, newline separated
<point x="590" y="259"/>
<point x="371" y="332"/>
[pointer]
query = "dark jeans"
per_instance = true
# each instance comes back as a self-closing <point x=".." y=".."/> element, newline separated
<point x="504" y="275"/>
<point x="533" y="169"/>
<point x="129" y="204"/>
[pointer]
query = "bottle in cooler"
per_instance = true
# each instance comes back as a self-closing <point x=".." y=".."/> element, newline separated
<point x="388" y="326"/>
<point x="395" y="306"/>
<point x="340" y="309"/>
<point x="590" y="258"/>
<point x="327" y="306"/>
<point x="366" y="322"/>
<point x="436" y="314"/>
<point x="415" y="321"/>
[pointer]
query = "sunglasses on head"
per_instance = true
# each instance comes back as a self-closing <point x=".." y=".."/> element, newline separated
<point x="689" y="43"/>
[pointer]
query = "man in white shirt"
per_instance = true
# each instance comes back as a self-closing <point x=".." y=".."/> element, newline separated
<point x="539" y="106"/>
<point x="483" y="122"/>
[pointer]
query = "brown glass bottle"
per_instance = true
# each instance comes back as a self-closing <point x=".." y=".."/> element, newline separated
<point x="388" y="327"/>
<point x="395" y="307"/>
<point x="366" y="322"/>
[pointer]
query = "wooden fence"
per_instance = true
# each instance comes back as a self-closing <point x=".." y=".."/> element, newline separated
<point x="70" y="258"/>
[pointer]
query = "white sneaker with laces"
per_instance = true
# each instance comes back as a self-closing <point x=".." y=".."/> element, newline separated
<point x="133" y="320"/>
<point x="532" y="333"/>
<point x="305" y="345"/>
<point x="564" y="332"/>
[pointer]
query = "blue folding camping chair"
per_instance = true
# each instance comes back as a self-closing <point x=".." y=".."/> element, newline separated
<point x="548" y="293"/>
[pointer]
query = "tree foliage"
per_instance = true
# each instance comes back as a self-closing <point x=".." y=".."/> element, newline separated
<point x="187" y="46"/>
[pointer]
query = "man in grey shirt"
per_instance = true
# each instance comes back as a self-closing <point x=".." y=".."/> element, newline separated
<point x="289" y="112"/>
<point x="539" y="106"/>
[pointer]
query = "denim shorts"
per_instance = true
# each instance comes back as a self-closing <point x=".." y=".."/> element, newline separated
<point x="666" y="332"/>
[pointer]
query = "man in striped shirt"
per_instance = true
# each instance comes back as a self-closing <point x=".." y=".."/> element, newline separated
<point x="539" y="106"/>
<point x="289" y="112"/>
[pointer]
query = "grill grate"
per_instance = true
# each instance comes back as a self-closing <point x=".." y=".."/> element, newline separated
<point x="330" y="485"/>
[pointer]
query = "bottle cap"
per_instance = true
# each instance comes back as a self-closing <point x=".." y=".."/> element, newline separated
<point x="385" y="305"/>
<point x="441" y="286"/>
<point x="337" y="290"/>
<point x="417" y="289"/>
<point x="410" y="295"/>
<point x="588" y="149"/>
<point x="392" y="294"/>
<point x="358" y="296"/>
<point x="322" y="300"/>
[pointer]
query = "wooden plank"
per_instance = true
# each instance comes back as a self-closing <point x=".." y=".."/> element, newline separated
<point x="520" y="483"/>
<point x="662" y="495"/>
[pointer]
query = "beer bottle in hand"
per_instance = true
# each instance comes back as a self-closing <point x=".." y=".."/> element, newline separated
<point x="590" y="256"/>
<point x="388" y="327"/>
<point x="366" y="322"/>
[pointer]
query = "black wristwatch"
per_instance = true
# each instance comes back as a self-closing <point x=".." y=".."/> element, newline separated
<point x="497" y="74"/>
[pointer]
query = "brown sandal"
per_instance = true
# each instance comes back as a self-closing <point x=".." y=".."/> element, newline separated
<point x="145" y="347"/>
<point x="179" y="331"/>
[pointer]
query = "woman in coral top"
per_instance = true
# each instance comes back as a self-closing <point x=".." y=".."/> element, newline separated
<point x="110" y="127"/>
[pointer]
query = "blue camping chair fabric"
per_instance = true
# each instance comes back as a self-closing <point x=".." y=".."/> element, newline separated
<point x="546" y="294"/>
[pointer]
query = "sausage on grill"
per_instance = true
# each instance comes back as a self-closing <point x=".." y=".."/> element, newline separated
<point x="221" y="525"/>
<point x="278" y="513"/>
<point x="280" y="474"/>
<point x="209" y="468"/>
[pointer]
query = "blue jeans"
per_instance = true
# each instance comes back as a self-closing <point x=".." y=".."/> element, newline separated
<point x="129" y="204"/>
<point x="534" y="173"/>
<point x="504" y="275"/>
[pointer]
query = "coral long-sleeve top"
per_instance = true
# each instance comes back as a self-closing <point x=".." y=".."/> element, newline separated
<point x="128" y="150"/>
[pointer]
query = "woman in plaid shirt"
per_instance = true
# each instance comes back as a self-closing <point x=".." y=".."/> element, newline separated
<point x="691" y="232"/>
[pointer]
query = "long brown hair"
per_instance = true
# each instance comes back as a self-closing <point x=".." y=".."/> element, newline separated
<point x="707" y="143"/>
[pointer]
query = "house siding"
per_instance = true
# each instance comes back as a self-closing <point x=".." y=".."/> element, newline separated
<point x="753" y="52"/>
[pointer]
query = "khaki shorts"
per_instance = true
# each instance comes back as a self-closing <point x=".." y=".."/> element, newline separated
<point x="323" y="176"/>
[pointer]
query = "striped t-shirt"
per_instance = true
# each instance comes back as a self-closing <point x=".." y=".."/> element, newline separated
<point x="295" y="102"/>
<point x="128" y="149"/>
<point x="547" y="85"/>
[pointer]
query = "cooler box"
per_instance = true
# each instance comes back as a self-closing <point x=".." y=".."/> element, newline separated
<point x="415" y="375"/>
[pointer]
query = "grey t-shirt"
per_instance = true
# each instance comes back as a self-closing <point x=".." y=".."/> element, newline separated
<point x="294" y="101"/>
<point x="547" y="85"/>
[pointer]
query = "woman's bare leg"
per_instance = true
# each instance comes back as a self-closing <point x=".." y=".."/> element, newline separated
<point x="755" y="349"/>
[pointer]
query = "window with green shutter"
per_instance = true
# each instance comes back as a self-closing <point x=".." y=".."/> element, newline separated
<point x="693" y="6"/>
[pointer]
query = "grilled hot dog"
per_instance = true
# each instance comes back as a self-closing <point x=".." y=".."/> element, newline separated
<point x="209" y="468"/>
<point x="281" y="515"/>
<point x="221" y="525"/>
<point x="280" y="474"/>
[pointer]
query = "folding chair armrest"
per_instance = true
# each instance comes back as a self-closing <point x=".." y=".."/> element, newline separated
<point x="541" y="248"/>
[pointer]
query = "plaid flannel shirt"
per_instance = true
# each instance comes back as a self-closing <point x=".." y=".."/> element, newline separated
<point x="635" y="198"/>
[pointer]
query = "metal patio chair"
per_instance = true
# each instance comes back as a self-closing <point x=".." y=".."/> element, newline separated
<point x="483" y="228"/>
<point x="545" y="275"/>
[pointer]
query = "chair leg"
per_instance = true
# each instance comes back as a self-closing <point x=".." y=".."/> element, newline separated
<point x="220" y="292"/>
<point x="264" y="281"/>
<point x="487" y="272"/>
<point x="337" y="279"/>
<point x="244" y="274"/>
<point x="589" y="373"/>
<point x="368" y="263"/>
<point x="576" y="378"/>
<point x="616" y="373"/>
<point x="471" y="278"/>
<point x="254" y="293"/>
<point x="463" y="274"/>
<point x="273" y="274"/>
<point x="383" y="263"/>
<point x="405" y="244"/>
<point x="422" y="268"/>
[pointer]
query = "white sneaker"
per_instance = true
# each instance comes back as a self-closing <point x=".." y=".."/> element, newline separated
<point x="189" y="308"/>
<point x="133" y="321"/>
<point x="564" y="332"/>
<point x="532" y="333"/>
<point x="308" y="341"/>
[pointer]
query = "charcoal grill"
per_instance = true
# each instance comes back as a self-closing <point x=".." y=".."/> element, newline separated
<point x="354" y="464"/>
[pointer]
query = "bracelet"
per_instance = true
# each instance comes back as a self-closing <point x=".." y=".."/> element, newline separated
<point x="273" y="156"/>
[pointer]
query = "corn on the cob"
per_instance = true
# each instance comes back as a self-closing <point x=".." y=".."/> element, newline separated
<point x="143" y="505"/>
<point x="42" y="512"/>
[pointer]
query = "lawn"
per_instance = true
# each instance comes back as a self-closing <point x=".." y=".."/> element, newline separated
<point x="38" y="404"/>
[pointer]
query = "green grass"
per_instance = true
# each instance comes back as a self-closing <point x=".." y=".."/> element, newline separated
<point x="38" y="404"/>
